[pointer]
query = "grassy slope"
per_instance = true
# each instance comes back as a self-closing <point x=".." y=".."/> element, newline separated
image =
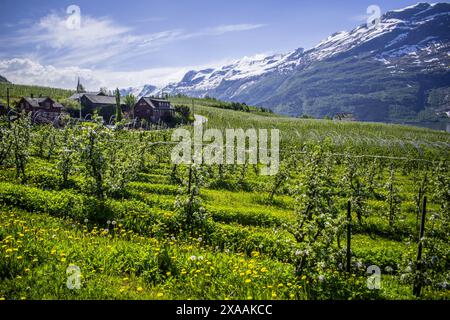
<point x="16" y="91"/>
<point x="129" y="264"/>
<point x="361" y="137"/>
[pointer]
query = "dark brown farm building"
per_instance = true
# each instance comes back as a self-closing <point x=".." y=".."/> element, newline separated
<point x="104" y="105"/>
<point x="43" y="109"/>
<point x="153" y="110"/>
<point x="78" y="95"/>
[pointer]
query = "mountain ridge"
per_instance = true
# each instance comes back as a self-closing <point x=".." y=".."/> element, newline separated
<point x="382" y="73"/>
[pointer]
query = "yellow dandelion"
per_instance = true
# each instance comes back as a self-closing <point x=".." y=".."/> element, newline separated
<point x="19" y="258"/>
<point x="274" y="295"/>
<point x="139" y="289"/>
<point x="160" y="294"/>
<point x="248" y="280"/>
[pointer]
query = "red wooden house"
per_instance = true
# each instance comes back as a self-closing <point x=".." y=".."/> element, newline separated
<point x="43" y="109"/>
<point x="153" y="110"/>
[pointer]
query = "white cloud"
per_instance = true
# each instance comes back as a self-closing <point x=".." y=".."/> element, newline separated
<point x="26" y="71"/>
<point x="235" y="27"/>
<point x="49" y="53"/>
<point x="99" y="41"/>
<point x="359" y="18"/>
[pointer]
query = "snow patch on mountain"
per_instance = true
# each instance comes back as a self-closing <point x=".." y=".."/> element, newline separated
<point x="141" y="91"/>
<point x="408" y="33"/>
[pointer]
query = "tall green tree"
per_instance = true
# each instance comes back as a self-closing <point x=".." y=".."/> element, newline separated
<point x="130" y="101"/>
<point x="118" y="107"/>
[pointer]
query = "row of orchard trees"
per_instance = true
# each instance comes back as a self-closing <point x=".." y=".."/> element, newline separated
<point x="321" y="222"/>
<point x="321" y="183"/>
<point x="107" y="159"/>
<point x="318" y="181"/>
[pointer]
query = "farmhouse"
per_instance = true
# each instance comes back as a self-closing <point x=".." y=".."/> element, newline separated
<point x="78" y="95"/>
<point x="104" y="105"/>
<point x="153" y="110"/>
<point x="97" y="101"/>
<point x="43" y="109"/>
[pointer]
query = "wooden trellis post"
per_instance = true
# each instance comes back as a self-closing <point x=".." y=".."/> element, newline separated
<point x="418" y="281"/>
<point x="349" y="235"/>
<point x="8" y="108"/>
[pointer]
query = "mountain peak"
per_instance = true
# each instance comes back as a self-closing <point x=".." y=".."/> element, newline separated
<point x="377" y="73"/>
<point x="417" y="10"/>
<point x="3" y="79"/>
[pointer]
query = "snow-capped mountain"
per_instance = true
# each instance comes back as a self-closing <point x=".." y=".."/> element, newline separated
<point x="382" y="72"/>
<point x="142" y="91"/>
<point x="201" y="82"/>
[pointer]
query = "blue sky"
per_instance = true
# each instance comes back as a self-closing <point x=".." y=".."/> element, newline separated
<point x="131" y="43"/>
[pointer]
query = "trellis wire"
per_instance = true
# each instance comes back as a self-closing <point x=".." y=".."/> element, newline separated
<point x="306" y="152"/>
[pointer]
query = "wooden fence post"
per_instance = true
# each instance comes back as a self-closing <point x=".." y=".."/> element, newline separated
<point x="418" y="281"/>
<point x="349" y="235"/>
<point x="8" y="108"/>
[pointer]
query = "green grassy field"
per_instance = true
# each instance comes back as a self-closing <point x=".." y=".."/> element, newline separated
<point x="18" y="91"/>
<point x="140" y="232"/>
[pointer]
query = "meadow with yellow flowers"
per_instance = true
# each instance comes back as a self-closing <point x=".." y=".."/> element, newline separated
<point x="109" y="203"/>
